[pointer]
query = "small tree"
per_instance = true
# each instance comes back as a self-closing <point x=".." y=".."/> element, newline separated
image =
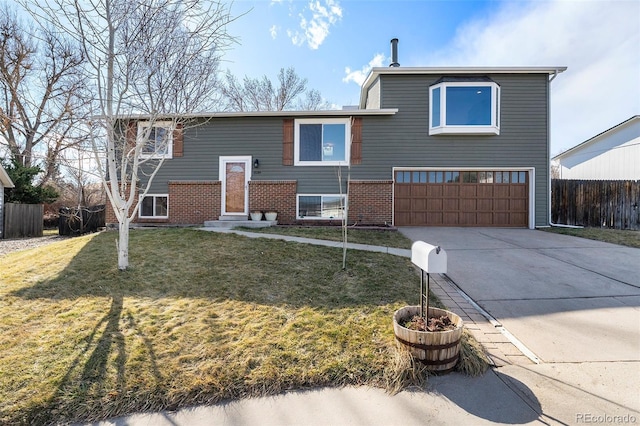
<point x="151" y="60"/>
<point x="24" y="190"/>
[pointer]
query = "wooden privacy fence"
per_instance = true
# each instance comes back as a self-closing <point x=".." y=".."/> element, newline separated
<point x="76" y="221"/>
<point x="23" y="220"/>
<point x="596" y="203"/>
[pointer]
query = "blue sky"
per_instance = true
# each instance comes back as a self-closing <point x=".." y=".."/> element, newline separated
<point x="334" y="43"/>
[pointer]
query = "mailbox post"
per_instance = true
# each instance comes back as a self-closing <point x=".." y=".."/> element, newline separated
<point x="430" y="259"/>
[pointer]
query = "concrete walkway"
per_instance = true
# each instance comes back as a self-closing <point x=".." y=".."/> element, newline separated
<point x="559" y="317"/>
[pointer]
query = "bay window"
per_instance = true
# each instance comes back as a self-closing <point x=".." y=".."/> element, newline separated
<point x="459" y="106"/>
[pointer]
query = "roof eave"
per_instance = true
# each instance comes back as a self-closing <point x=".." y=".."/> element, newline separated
<point x="596" y="137"/>
<point x="377" y="71"/>
<point x="238" y="114"/>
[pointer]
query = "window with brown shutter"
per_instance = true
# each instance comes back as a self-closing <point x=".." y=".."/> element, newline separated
<point x="287" y="142"/>
<point x="130" y="134"/>
<point x="356" y="140"/>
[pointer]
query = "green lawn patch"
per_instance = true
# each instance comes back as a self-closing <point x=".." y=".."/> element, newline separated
<point x="615" y="236"/>
<point x="376" y="237"/>
<point x="199" y="318"/>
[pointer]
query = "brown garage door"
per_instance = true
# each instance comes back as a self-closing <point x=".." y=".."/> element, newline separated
<point x="461" y="198"/>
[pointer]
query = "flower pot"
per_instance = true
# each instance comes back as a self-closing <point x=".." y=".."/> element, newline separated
<point x="256" y="215"/>
<point x="438" y="350"/>
<point x="271" y="216"/>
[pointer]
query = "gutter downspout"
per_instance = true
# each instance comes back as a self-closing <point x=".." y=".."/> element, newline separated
<point x="551" y="224"/>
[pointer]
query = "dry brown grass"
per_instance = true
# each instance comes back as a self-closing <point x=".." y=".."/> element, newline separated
<point x="199" y="318"/>
<point x="615" y="236"/>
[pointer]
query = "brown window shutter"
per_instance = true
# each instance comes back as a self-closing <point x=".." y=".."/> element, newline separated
<point x="356" y="140"/>
<point x="178" y="141"/>
<point x="130" y="134"/>
<point x="287" y="142"/>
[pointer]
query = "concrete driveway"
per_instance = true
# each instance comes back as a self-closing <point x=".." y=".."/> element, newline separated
<point x="567" y="299"/>
<point x="575" y="303"/>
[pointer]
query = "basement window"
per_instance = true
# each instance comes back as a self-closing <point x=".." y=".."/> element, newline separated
<point x="154" y="207"/>
<point x="464" y="106"/>
<point x="325" y="207"/>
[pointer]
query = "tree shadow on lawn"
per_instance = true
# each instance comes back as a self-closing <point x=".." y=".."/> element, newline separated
<point x="217" y="267"/>
<point x="177" y="269"/>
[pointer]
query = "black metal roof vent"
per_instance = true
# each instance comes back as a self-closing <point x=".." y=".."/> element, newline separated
<point x="394" y="53"/>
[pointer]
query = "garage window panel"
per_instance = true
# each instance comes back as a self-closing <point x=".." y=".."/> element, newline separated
<point x="452" y="177"/>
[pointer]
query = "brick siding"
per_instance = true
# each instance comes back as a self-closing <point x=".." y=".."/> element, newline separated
<point x="190" y="203"/>
<point x="274" y="195"/>
<point x="371" y="202"/>
<point x="193" y="202"/>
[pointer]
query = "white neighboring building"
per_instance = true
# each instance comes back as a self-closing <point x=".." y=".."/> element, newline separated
<point x="5" y="182"/>
<point x="612" y="155"/>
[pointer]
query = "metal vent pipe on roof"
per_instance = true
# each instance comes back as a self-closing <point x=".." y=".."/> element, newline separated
<point x="394" y="53"/>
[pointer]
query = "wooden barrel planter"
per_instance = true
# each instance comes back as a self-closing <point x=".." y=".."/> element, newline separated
<point x="438" y="350"/>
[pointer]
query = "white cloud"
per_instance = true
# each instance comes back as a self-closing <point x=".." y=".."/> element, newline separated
<point x="598" y="41"/>
<point x="358" y="76"/>
<point x="316" y="27"/>
<point x="274" y="31"/>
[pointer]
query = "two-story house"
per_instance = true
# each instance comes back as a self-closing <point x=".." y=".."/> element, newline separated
<point x="465" y="146"/>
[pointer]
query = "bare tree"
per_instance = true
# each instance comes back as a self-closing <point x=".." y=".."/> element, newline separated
<point x="40" y="84"/>
<point x="255" y="94"/>
<point x="149" y="63"/>
<point x="312" y="101"/>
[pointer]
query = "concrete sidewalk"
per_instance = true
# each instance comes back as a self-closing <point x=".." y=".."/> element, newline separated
<point x="523" y="388"/>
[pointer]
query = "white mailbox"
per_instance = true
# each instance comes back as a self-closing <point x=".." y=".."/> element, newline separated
<point x="429" y="258"/>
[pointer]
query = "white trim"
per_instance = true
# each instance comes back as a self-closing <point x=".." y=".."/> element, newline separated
<point x="165" y="124"/>
<point x="530" y="170"/>
<point x="284" y="114"/>
<point x="322" y="121"/>
<point x="444" y="128"/>
<point x="142" y="197"/>
<point x="247" y="159"/>
<point x="298" y="217"/>
<point x="5" y="179"/>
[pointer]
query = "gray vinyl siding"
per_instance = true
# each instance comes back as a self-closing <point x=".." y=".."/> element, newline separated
<point x="258" y="137"/>
<point x="403" y="140"/>
<point x="400" y="140"/>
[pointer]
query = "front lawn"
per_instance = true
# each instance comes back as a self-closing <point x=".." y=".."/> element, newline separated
<point x="200" y="317"/>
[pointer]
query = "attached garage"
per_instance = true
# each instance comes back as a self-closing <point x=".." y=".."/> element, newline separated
<point x="498" y="198"/>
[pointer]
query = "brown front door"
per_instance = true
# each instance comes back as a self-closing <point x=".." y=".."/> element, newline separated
<point x="234" y="186"/>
